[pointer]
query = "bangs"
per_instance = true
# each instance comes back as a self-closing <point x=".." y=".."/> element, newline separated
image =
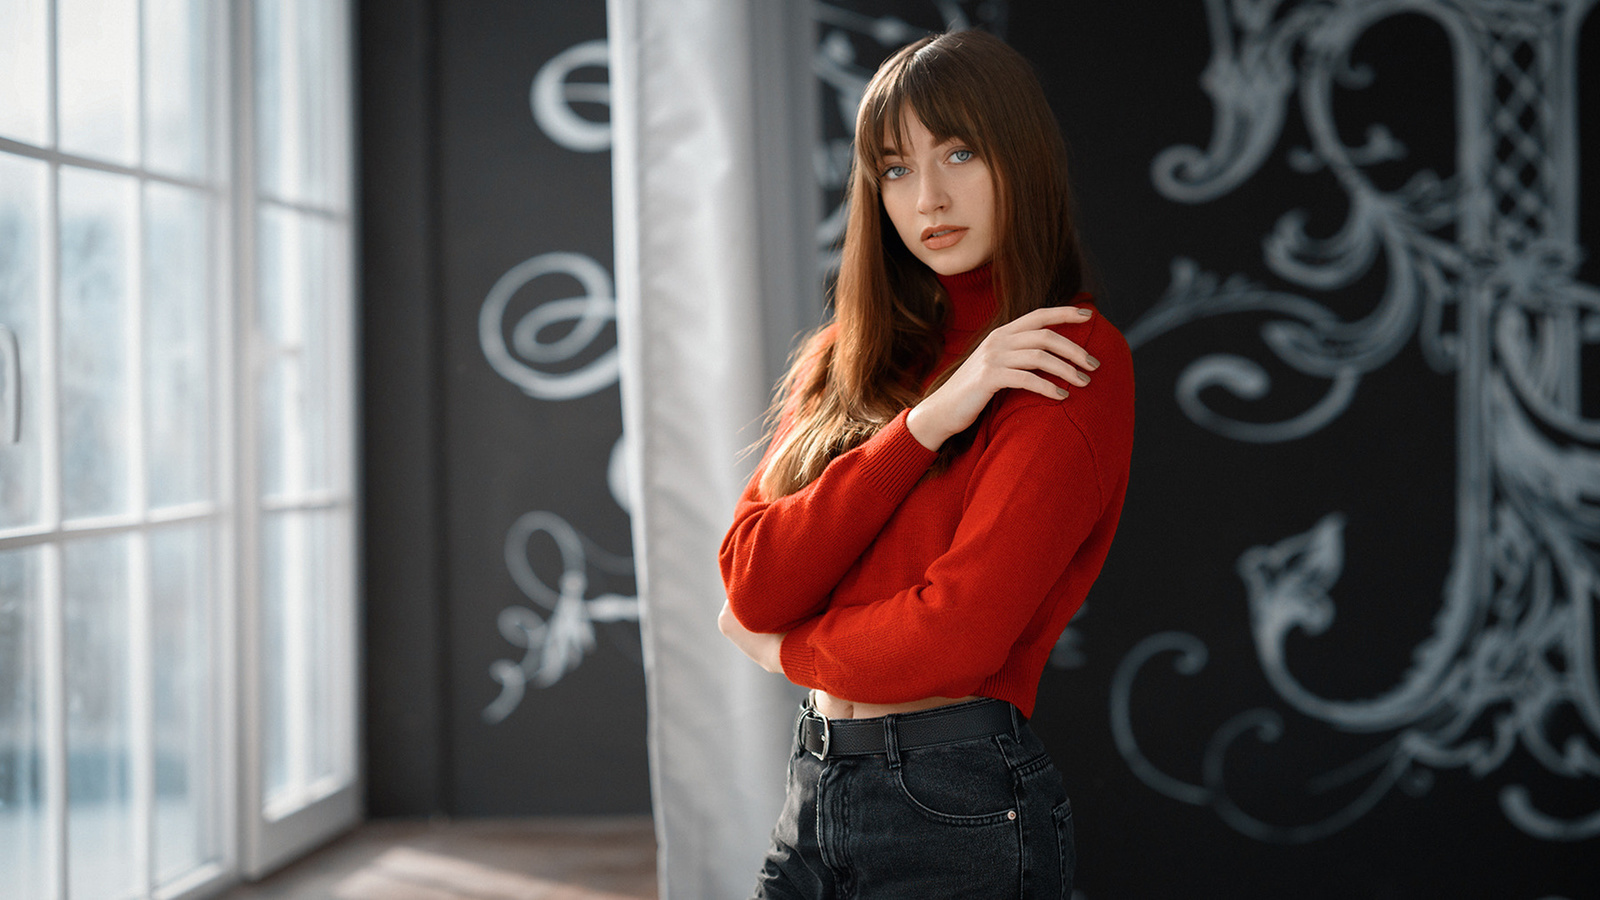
<point x="941" y="100"/>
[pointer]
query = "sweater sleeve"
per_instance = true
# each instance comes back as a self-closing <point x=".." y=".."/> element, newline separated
<point x="781" y="558"/>
<point x="1037" y="494"/>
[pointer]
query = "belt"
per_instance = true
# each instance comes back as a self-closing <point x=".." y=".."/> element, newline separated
<point x="825" y="737"/>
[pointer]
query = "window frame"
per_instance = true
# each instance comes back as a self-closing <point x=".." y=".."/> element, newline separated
<point x="267" y="843"/>
<point x="248" y="842"/>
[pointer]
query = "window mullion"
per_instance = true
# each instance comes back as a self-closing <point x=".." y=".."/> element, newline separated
<point x="141" y="703"/>
<point x="294" y="528"/>
<point x="245" y="354"/>
<point x="141" y="631"/>
<point x="52" y="694"/>
<point x="52" y="632"/>
<point x="108" y="525"/>
<point x="228" y="223"/>
<point x="295" y="347"/>
<point x="78" y="161"/>
<point x="52" y="88"/>
<point x="48" y="413"/>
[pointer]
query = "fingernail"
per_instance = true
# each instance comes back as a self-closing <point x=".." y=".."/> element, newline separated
<point x="1084" y="312"/>
<point x="1094" y="363"/>
<point x="1061" y="391"/>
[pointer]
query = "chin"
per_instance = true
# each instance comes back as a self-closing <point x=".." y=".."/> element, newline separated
<point x="952" y="266"/>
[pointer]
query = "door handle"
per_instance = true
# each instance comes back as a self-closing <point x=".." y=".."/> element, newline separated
<point x="10" y="389"/>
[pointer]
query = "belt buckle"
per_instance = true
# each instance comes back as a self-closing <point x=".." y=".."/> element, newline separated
<point x="827" y="734"/>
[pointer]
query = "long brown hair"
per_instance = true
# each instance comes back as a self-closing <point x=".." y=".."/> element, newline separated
<point x="854" y="376"/>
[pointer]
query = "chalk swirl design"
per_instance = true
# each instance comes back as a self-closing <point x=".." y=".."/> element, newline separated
<point x="551" y="95"/>
<point x="555" y="630"/>
<point x="1480" y="267"/>
<point x="520" y="362"/>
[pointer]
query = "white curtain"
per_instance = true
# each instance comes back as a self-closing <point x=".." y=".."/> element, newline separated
<point x="715" y="216"/>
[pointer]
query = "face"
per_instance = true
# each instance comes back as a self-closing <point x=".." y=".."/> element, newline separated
<point x="940" y="197"/>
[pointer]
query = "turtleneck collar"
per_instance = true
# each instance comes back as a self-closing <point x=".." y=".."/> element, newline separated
<point x="972" y="302"/>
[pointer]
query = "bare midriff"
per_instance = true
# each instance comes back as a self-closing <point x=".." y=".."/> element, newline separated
<point x="835" y="708"/>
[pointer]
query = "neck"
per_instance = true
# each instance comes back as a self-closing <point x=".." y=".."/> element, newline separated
<point x="972" y="308"/>
<point x="972" y="301"/>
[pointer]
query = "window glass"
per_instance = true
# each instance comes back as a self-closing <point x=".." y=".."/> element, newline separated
<point x="101" y="811"/>
<point x="23" y="95"/>
<point x="97" y="70"/>
<point x="186" y="835"/>
<point x="176" y="107"/>
<point x="332" y="708"/>
<point x="97" y="262"/>
<point x="24" y="856"/>
<point x="177" y="349"/>
<point x="300" y="277"/>
<point x="22" y="254"/>
<point x="301" y="148"/>
<point x="305" y="711"/>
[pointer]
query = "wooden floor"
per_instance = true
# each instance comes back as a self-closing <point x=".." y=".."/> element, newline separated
<point x="475" y="859"/>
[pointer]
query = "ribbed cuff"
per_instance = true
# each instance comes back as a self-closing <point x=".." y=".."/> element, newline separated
<point x="797" y="658"/>
<point x="894" y="460"/>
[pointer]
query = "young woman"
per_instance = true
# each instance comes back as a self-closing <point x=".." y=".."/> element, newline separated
<point x="940" y="489"/>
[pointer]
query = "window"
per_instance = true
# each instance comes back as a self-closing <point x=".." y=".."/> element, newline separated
<point x="299" y="443"/>
<point x="176" y="503"/>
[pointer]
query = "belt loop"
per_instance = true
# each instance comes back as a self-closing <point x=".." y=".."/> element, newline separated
<point x="891" y="740"/>
<point x="1017" y="722"/>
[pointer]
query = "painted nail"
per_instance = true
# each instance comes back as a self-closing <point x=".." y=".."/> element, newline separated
<point x="1094" y="363"/>
<point x="1061" y="391"/>
<point x="1084" y="312"/>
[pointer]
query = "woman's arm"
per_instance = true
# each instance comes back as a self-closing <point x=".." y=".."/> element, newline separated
<point x="764" y="649"/>
<point x="1040" y="508"/>
<point x="782" y="557"/>
<point x="1020" y="354"/>
<point x="1037" y="499"/>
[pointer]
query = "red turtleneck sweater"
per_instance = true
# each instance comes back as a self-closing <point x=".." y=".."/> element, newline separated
<point x="895" y="585"/>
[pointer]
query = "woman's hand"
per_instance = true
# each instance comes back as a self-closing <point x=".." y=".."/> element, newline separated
<point x="1011" y="356"/>
<point x="765" y="649"/>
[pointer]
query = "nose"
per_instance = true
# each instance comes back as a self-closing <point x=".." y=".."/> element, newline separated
<point x="931" y="194"/>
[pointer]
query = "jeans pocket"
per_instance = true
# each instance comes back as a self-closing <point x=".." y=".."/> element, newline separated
<point x="959" y="784"/>
<point x="945" y="822"/>
<point x="1065" y="843"/>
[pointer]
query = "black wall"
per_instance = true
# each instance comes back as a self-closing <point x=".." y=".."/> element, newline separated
<point x="503" y="666"/>
<point x="1195" y="769"/>
<point x="405" y="667"/>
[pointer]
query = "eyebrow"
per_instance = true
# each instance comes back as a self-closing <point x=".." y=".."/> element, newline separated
<point x="887" y="151"/>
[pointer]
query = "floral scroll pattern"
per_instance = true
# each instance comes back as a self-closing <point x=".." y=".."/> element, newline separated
<point x="1481" y="268"/>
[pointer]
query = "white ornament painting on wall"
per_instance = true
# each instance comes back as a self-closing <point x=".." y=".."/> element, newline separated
<point x="555" y="629"/>
<point x="1480" y="268"/>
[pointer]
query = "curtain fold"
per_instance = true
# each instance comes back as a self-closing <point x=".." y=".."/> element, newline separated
<point x="715" y="211"/>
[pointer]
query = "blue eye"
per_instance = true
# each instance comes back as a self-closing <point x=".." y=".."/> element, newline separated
<point x="961" y="156"/>
<point x="894" y="172"/>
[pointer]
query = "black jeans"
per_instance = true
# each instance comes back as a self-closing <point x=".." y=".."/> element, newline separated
<point x="983" y="818"/>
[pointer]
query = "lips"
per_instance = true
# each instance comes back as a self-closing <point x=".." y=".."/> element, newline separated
<point x="940" y="237"/>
